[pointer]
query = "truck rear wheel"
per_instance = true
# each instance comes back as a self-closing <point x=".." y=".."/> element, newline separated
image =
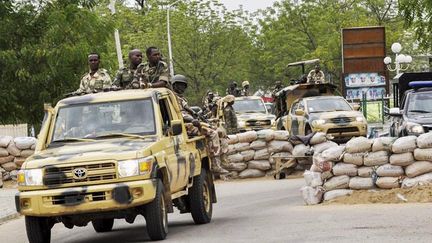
<point x="156" y="215"/>
<point x="200" y="198"/>
<point x="103" y="225"/>
<point x="38" y="229"/>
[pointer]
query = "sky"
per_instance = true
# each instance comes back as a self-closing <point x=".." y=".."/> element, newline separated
<point x="250" y="5"/>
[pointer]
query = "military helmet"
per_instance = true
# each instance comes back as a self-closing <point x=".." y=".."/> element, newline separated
<point x="179" y="78"/>
<point x="229" y="98"/>
<point x="245" y="83"/>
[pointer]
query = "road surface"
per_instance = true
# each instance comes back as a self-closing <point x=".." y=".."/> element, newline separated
<point x="264" y="211"/>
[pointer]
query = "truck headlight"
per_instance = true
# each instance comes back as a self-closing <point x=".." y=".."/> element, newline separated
<point x="414" y="128"/>
<point x="241" y="123"/>
<point x="318" y="122"/>
<point x="134" y="167"/>
<point x="32" y="177"/>
<point x="360" y="119"/>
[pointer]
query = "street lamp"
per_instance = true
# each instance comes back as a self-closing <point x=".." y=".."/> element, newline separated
<point x="402" y="61"/>
<point x="171" y="66"/>
<point x="111" y="7"/>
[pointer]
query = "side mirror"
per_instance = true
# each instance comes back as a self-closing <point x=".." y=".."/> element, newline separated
<point x="356" y="107"/>
<point x="176" y="127"/>
<point x="299" y="112"/>
<point x="395" y="112"/>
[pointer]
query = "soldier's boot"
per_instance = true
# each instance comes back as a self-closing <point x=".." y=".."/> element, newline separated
<point x="216" y="168"/>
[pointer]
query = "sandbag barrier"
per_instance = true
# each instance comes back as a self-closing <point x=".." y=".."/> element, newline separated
<point x="364" y="164"/>
<point x="13" y="153"/>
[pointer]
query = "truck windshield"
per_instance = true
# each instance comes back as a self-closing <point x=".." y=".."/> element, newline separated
<point x="249" y="106"/>
<point x="326" y="105"/>
<point x="420" y="103"/>
<point x="91" y="121"/>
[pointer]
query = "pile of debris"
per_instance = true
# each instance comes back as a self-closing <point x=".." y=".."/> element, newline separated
<point x="364" y="164"/>
<point x="13" y="153"/>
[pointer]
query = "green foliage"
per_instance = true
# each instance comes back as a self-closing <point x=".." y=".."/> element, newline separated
<point x="418" y="14"/>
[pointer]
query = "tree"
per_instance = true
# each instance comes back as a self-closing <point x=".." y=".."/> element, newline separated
<point x="418" y="14"/>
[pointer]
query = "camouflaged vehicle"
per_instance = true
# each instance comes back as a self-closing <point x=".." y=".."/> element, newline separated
<point x="314" y="108"/>
<point x="113" y="155"/>
<point x="252" y="114"/>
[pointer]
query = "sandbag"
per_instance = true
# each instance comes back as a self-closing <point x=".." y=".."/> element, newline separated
<point x="265" y="134"/>
<point x="389" y="170"/>
<point x="259" y="165"/>
<point x="337" y="182"/>
<point x="423" y="154"/>
<point x="317" y="138"/>
<point x="276" y="146"/>
<point x="312" y="196"/>
<point x="19" y="161"/>
<point x="383" y="144"/>
<point x="376" y="158"/>
<point x="248" y="155"/>
<point x="3" y="152"/>
<point x="247" y="137"/>
<point x="27" y="153"/>
<point x="301" y="150"/>
<point x="5" y="140"/>
<point x="365" y="171"/>
<point x="6" y="159"/>
<point x="270" y="173"/>
<point x="231" y="149"/>
<point x="358" y="145"/>
<point x="281" y="154"/>
<point x="403" y="159"/>
<point x="404" y="144"/>
<point x="281" y="135"/>
<point x="326" y="175"/>
<point x="344" y="169"/>
<point x="235" y="166"/>
<point x="353" y="158"/>
<point x="9" y="166"/>
<point x="337" y="193"/>
<point x="334" y="153"/>
<point x="421" y="180"/>
<point x="33" y="147"/>
<point x="242" y="147"/>
<point x="360" y="183"/>
<point x="258" y="144"/>
<point x="251" y="173"/>
<point x="418" y="168"/>
<point x="424" y="140"/>
<point x="387" y="182"/>
<point x="235" y="158"/>
<point x="319" y="148"/>
<point x="321" y="164"/>
<point x="262" y="154"/>
<point x="313" y="179"/>
<point x="13" y="150"/>
<point x="232" y="139"/>
<point x="24" y="142"/>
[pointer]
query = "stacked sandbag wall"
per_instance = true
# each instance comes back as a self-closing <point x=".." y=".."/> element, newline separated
<point x="249" y="153"/>
<point x="13" y="153"/>
<point x="363" y="164"/>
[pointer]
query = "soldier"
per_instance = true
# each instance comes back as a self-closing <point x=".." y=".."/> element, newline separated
<point x="96" y="79"/>
<point x="209" y="106"/>
<point x="232" y="89"/>
<point x="195" y="128"/>
<point x="230" y="115"/>
<point x="277" y="88"/>
<point x="125" y="75"/>
<point x="316" y="75"/>
<point x="152" y="74"/>
<point x="245" y="90"/>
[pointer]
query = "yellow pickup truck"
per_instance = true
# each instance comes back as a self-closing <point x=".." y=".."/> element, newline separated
<point x="114" y="155"/>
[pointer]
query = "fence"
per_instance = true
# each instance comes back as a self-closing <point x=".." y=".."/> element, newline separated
<point x="20" y="130"/>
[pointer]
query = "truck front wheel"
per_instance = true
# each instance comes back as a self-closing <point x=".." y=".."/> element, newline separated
<point x="200" y="198"/>
<point x="156" y="215"/>
<point x="103" y="225"/>
<point x="38" y="229"/>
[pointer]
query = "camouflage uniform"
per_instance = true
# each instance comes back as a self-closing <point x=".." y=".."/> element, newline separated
<point x="244" y="92"/>
<point x="314" y="77"/>
<point x="99" y="81"/>
<point x="152" y="74"/>
<point x="230" y="120"/>
<point x="124" y="78"/>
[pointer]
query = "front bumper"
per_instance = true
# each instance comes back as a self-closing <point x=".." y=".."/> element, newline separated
<point x="340" y="131"/>
<point x="85" y="199"/>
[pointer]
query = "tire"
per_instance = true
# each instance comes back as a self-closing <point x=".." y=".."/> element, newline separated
<point x="200" y="198"/>
<point x="156" y="215"/>
<point x="103" y="225"/>
<point x="38" y="229"/>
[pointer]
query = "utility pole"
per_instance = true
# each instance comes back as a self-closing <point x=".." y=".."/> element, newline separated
<point x="171" y="65"/>
<point x="111" y="7"/>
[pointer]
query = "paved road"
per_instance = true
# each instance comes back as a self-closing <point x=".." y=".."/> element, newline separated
<point x="265" y="211"/>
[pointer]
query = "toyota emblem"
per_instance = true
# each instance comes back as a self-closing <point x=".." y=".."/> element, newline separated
<point x="79" y="173"/>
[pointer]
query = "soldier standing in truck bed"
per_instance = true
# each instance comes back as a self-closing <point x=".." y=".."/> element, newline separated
<point x="152" y="74"/>
<point x="124" y="76"/>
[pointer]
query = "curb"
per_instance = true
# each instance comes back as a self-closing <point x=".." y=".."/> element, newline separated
<point x="9" y="217"/>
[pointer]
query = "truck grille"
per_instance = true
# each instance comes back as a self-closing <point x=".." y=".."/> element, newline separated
<point x="61" y="175"/>
<point x="76" y="198"/>
<point x="258" y="123"/>
<point x="342" y="130"/>
<point x="339" y="120"/>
